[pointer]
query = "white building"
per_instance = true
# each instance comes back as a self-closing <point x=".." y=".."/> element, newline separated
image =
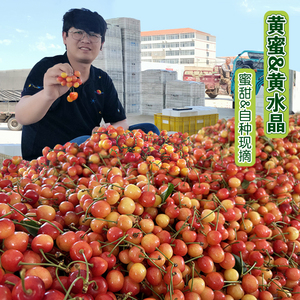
<point x="184" y="46"/>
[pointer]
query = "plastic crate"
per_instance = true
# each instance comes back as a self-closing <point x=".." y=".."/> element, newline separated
<point x="191" y="124"/>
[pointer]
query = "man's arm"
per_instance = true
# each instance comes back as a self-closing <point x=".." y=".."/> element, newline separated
<point x="31" y="109"/>
<point x="122" y="123"/>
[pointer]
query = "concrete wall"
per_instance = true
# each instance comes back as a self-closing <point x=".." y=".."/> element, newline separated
<point x="13" y="79"/>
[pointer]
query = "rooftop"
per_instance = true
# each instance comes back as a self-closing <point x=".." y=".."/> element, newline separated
<point x="172" y="31"/>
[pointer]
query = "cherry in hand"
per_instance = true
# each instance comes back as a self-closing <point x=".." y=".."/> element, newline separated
<point x="72" y="82"/>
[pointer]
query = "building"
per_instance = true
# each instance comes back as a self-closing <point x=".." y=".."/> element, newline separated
<point x="184" y="46"/>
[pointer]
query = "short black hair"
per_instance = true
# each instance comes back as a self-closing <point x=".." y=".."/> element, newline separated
<point x="86" y="20"/>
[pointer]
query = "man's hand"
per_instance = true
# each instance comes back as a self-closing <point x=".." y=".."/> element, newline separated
<point x="52" y="88"/>
<point x="105" y="125"/>
<point x="31" y="109"/>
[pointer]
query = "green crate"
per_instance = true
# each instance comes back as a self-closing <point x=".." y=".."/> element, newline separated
<point x="190" y="124"/>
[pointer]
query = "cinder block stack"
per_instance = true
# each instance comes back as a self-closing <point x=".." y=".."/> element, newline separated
<point x="184" y="93"/>
<point x="110" y="58"/>
<point x="155" y="89"/>
<point x="131" y="51"/>
<point x="153" y="86"/>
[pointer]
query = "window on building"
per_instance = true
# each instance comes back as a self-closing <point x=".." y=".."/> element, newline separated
<point x="155" y="46"/>
<point x="172" y="61"/>
<point x="207" y="62"/>
<point x="207" y="46"/>
<point x="146" y="46"/>
<point x="187" y="35"/>
<point x="187" y="61"/>
<point x="187" y="44"/>
<point x="145" y="38"/>
<point x="207" y="37"/>
<point x="172" y="45"/>
<point x="172" y="36"/>
<point x="187" y="52"/>
<point x="158" y="37"/>
<point x="207" y="54"/>
<point x="172" y="53"/>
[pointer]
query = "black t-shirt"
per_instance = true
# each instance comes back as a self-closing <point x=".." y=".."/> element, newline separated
<point x="97" y="99"/>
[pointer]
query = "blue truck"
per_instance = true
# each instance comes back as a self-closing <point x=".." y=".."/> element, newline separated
<point x="255" y="61"/>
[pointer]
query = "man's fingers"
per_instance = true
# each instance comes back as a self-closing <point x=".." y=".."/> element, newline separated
<point x="66" y="68"/>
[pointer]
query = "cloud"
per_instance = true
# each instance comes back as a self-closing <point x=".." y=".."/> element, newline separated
<point x="44" y="47"/>
<point x="52" y="46"/>
<point x="245" y="5"/>
<point x="41" y="46"/>
<point x="23" y="32"/>
<point x="5" y="42"/>
<point x="49" y="36"/>
<point x="20" y="30"/>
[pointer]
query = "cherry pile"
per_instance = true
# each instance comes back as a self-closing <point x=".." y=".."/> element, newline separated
<point x="129" y="215"/>
<point x="71" y="82"/>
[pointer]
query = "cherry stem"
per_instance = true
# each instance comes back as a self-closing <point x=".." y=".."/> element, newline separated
<point x="42" y="264"/>
<point x="56" y="274"/>
<point x="120" y="241"/>
<point x="126" y="296"/>
<point x="290" y="260"/>
<point x="171" y="262"/>
<point x="241" y="257"/>
<point x="71" y="286"/>
<point x="171" y="282"/>
<point x="87" y="232"/>
<point x="9" y="282"/>
<point x="4" y="216"/>
<point x="250" y="269"/>
<point x="279" y="286"/>
<point x="194" y="258"/>
<point x="85" y="282"/>
<point x="47" y="221"/>
<point x="22" y="215"/>
<point x="112" y="243"/>
<point x="217" y="222"/>
<point x="84" y="165"/>
<point x="193" y="274"/>
<point x="149" y="287"/>
<point x="88" y="208"/>
<point x="75" y="262"/>
<point x="184" y="225"/>
<point x="22" y="276"/>
<point x="59" y="265"/>
<point x="147" y="257"/>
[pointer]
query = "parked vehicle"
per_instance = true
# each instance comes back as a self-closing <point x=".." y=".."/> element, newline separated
<point x="254" y="61"/>
<point x="11" y="85"/>
<point x="8" y="101"/>
<point x="211" y="79"/>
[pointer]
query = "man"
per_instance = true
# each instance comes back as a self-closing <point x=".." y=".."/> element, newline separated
<point x="225" y="76"/>
<point x="47" y="117"/>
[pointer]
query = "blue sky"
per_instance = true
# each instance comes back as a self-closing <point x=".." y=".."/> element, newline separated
<point x="31" y="30"/>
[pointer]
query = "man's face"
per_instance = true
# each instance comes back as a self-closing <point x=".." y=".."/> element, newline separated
<point x="82" y="47"/>
<point x="228" y="60"/>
